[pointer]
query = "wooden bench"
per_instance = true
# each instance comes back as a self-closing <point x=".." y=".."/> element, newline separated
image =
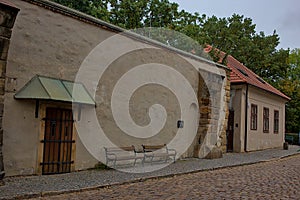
<point x="158" y="151"/>
<point x="114" y="154"/>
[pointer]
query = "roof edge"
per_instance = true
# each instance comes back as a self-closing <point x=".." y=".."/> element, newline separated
<point x="50" y="5"/>
<point x="53" y="6"/>
<point x="283" y="96"/>
<point x="9" y="4"/>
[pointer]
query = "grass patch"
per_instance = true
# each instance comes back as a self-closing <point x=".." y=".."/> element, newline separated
<point x="101" y="166"/>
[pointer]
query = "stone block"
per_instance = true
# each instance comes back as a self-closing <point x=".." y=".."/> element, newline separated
<point x="205" y="110"/>
<point x="214" y="153"/>
<point x="1" y="109"/>
<point x="8" y="16"/>
<point x="2" y="68"/>
<point x="205" y="101"/>
<point x="227" y="87"/>
<point x="2" y="86"/>
<point x="4" y="45"/>
<point x="2" y="173"/>
<point x="1" y="137"/>
<point x="5" y="32"/>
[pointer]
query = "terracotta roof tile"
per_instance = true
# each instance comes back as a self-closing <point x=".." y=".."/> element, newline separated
<point x="241" y="74"/>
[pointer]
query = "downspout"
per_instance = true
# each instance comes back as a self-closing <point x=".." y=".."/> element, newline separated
<point x="246" y="118"/>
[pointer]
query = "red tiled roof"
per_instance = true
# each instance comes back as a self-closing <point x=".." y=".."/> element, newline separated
<point x="8" y="3"/>
<point x="241" y="74"/>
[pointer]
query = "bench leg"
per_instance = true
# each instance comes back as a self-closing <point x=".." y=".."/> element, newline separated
<point x="167" y="157"/>
<point x="151" y="160"/>
<point x="108" y="161"/>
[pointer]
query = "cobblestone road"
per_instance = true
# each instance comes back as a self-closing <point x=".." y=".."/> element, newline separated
<point x="278" y="179"/>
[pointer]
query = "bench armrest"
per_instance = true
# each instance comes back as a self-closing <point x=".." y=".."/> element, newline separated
<point x="173" y="151"/>
<point x="108" y="154"/>
<point x="148" y="153"/>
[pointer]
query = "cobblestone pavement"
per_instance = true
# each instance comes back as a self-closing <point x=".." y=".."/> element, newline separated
<point x="277" y="179"/>
<point x="36" y="186"/>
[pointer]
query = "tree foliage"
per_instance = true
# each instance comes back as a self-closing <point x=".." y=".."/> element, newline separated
<point x="291" y="86"/>
<point x="235" y="35"/>
<point x="96" y="8"/>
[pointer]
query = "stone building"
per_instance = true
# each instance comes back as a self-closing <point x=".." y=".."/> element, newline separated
<point x="74" y="84"/>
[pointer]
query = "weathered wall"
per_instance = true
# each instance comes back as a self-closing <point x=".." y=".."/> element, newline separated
<point x="8" y="15"/>
<point x="51" y="44"/>
<point x="256" y="139"/>
<point x="238" y="105"/>
<point x="45" y="43"/>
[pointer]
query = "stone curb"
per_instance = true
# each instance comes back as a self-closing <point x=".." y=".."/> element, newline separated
<point x="53" y="193"/>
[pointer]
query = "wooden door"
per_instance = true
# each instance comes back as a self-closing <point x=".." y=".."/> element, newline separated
<point x="230" y="131"/>
<point x="58" y="140"/>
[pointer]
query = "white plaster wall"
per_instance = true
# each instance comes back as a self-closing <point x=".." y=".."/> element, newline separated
<point x="257" y="139"/>
<point x="238" y="103"/>
<point x="21" y="137"/>
<point x="48" y="43"/>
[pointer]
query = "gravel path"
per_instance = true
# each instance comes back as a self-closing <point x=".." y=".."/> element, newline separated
<point x="35" y="186"/>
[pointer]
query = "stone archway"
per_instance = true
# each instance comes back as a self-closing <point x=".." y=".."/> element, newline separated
<point x="8" y="14"/>
<point x="211" y="127"/>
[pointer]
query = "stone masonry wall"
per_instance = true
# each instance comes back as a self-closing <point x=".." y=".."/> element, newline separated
<point x="227" y="100"/>
<point x="8" y="15"/>
<point x="213" y="107"/>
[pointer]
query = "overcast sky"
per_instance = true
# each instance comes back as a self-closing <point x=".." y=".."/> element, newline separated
<point x="268" y="15"/>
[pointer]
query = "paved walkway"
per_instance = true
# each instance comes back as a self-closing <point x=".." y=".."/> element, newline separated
<point x="35" y="186"/>
<point x="276" y="179"/>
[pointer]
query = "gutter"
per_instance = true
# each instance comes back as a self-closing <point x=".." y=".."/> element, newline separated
<point x="246" y="118"/>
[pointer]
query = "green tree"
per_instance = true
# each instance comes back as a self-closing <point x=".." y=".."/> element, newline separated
<point x="190" y="25"/>
<point x="128" y="14"/>
<point x="291" y="87"/>
<point x="160" y="13"/>
<point x="94" y="8"/>
<point x="234" y="35"/>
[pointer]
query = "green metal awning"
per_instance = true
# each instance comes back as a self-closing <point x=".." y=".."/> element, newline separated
<point x="46" y="88"/>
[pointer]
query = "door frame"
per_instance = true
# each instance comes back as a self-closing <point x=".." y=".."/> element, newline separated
<point x="42" y="115"/>
<point x="230" y="120"/>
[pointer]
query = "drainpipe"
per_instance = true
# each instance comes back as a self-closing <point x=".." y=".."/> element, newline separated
<point x="8" y="13"/>
<point x="246" y="118"/>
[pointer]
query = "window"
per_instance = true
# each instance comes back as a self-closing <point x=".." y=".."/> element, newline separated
<point x="243" y="72"/>
<point x="261" y="80"/>
<point x="276" y="121"/>
<point x="266" y="120"/>
<point x="253" y="117"/>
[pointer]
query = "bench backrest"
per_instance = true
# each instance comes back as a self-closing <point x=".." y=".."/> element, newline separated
<point x="120" y="150"/>
<point x="154" y="147"/>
